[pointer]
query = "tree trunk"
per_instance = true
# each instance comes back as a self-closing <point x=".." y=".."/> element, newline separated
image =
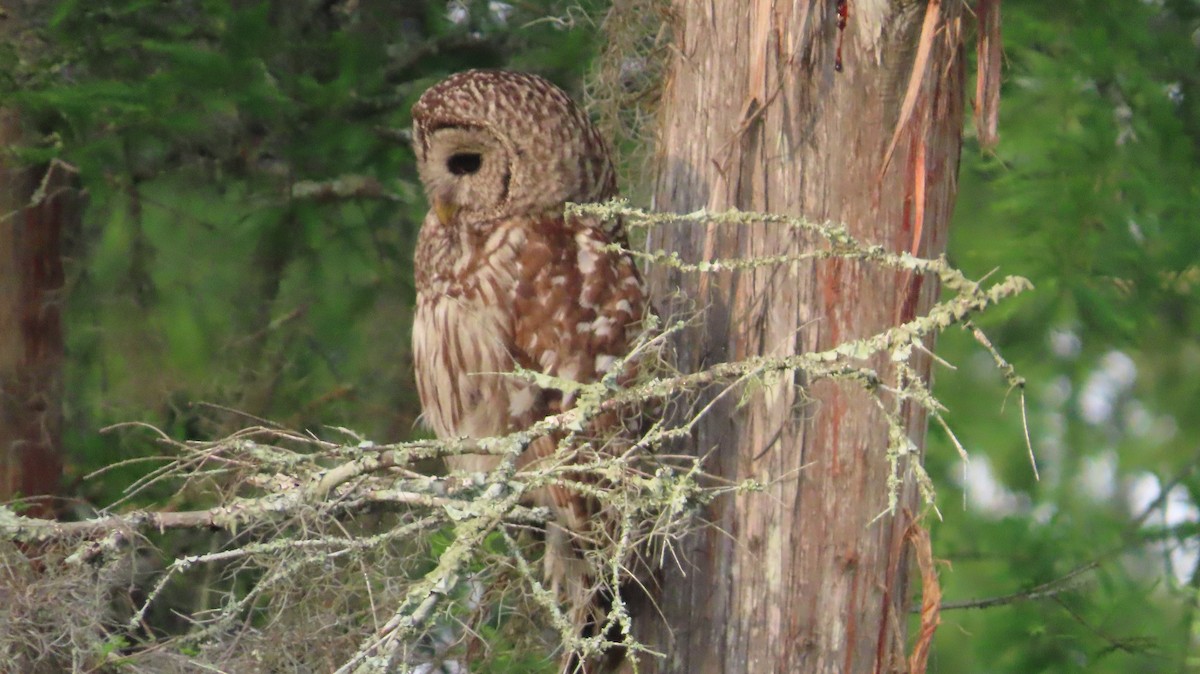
<point x="31" y="339"/>
<point x="759" y="114"/>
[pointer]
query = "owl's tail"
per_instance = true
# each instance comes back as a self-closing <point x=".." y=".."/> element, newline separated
<point x="587" y="602"/>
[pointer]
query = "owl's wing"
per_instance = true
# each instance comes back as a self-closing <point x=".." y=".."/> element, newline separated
<point x="577" y="308"/>
<point x="577" y="304"/>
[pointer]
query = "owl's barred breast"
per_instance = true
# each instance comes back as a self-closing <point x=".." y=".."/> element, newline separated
<point x="542" y="293"/>
<point x="462" y="335"/>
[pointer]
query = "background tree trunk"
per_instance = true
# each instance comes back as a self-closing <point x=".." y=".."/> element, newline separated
<point x="802" y="577"/>
<point x="31" y="337"/>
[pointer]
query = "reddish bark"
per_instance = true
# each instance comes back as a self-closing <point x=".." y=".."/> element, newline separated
<point x="34" y="205"/>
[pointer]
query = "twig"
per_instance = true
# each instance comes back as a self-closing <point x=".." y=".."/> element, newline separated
<point x="1053" y="588"/>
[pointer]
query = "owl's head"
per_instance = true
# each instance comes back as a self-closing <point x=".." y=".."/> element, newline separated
<point x="494" y="143"/>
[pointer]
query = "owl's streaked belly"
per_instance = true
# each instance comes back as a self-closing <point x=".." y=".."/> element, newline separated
<point x="461" y="339"/>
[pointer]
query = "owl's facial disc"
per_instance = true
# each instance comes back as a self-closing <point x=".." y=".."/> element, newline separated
<point x="466" y="174"/>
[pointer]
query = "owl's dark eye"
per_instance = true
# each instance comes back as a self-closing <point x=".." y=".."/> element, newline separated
<point x="464" y="163"/>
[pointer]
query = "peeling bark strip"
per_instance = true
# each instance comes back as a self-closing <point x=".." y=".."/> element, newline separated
<point x="987" y="73"/>
<point x="805" y="576"/>
<point x="33" y="208"/>
<point x="931" y="598"/>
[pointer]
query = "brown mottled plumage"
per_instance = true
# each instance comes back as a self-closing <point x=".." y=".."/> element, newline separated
<point x="503" y="279"/>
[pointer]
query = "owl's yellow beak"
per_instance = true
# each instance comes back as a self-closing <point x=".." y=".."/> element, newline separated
<point x="445" y="210"/>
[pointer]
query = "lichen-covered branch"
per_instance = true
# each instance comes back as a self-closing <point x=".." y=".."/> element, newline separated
<point x="305" y="526"/>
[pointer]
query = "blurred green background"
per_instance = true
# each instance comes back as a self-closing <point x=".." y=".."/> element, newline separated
<point x="1094" y="194"/>
<point x="212" y="271"/>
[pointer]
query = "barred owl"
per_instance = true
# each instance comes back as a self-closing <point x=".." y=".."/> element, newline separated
<point x="505" y="280"/>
